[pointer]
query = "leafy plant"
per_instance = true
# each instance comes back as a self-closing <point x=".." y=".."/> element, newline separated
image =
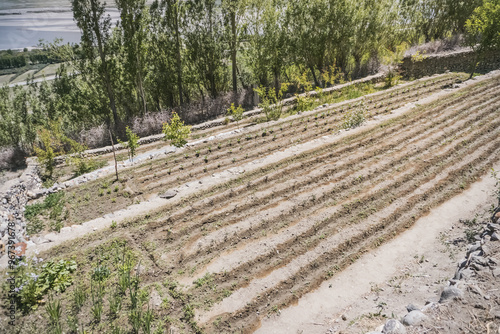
<point x="35" y="280"/>
<point x="50" y="145"/>
<point x="176" y="131"/>
<point x="236" y="113"/>
<point x="79" y="297"/>
<point x="483" y="30"/>
<point x="54" y="312"/>
<point x="132" y="143"/>
<point x="272" y="101"/>
<point x="354" y="118"/>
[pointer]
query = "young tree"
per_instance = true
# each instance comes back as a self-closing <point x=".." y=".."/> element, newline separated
<point x="236" y="113"/>
<point x="176" y="131"/>
<point x="132" y="143"/>
<point x="483" y="30"/>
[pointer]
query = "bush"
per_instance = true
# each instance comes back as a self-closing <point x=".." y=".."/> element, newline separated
<point x="34" y="280"/>
<point x="354" y="118"/>
<point x="235" y="112"/>
<point x="176" y="131"/>
<point x="272" y="101"/>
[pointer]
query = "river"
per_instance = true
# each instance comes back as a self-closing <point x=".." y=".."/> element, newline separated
<point x="23" y="23"/>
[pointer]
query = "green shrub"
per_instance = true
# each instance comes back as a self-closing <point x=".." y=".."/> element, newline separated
<point x="176" y="131"/>
<point x="354" y="118"/>
<point x="132" y="143"/>
<point x="34" y="280"/>
<point x="272" y="101"/>
<point x="235" y="112"/>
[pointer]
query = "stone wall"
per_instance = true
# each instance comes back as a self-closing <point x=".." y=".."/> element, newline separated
<point x="454" y="62"/>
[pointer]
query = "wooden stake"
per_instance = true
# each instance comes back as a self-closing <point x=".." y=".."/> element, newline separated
<point x="114" y="155"/>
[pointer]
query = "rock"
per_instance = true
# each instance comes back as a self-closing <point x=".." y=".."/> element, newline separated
<point x="466" y="274"/>
<point x="411" y="307"/>
<point x="169" y="194"/>
<point x="155" y="299"/>
<point x="496" y="218"/>
<point x="450" y="292"/>
<point x="474" y="247"/>
<point x="486" y="250"/>
<point x="372" y="332"/>
<point x="496" y="272"/>
<point x="494" y="237"/>
<point x="393" y="327"/>
<point x="414" y="318"/>
<point x="493" y="227"/>
<point x="39" y="240"/>
<point x="20" y="248"/>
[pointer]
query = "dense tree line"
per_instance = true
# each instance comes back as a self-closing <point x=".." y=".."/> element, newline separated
<point x="15" y="59"/>
<point x="173" y="52"/>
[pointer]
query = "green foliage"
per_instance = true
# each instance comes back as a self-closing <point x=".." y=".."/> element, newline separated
<point x="100" y="273"/>
<point x="207" y="279"/>
<point x="54" y="311"/>
<point x="303" y="102"/>
<point x="34" y="280"/>
<point x="354" y="117"/>
<point x="392" y="58"/>
<point x="235" y="112"/>
<point x="483" y="29"/>
<point x="272" y="101"/>
<point x="176" y="131"/>
<point x="52" y="207"/>
<point x="51" y="145"/>
<point x="132" y="143"/>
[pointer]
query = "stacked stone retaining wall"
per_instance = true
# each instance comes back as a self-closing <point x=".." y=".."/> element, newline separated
<point x="460" y="61"/>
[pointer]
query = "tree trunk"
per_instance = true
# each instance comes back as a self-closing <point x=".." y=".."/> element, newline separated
<point x="104" y="64"/>
<point x="114" y="154"/>
<point x="314" y="75"/>
<point x="234" y="48"/>
<point x="178" y="53"/>
<point x="140" y="86"/>
<point x="474" y="65"/>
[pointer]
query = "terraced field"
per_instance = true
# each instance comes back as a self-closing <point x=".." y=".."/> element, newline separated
<point x="226" y="256"/>
<point x="252" y="143"/>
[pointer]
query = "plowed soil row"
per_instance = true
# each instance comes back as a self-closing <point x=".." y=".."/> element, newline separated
<point x="280" y="233"/>
<point x="193" y="163"/>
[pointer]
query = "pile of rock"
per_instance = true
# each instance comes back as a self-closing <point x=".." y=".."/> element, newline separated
<point x="12" y="206"/>
<point x="478" y="263"/>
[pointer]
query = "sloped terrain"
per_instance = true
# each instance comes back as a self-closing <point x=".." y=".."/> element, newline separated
<point x="224" y="257"/>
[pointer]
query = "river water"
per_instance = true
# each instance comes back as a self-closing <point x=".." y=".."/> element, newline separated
<point x="23" y="23"/>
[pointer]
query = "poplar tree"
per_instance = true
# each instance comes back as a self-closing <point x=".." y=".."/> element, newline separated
<point x="96" y="46"/>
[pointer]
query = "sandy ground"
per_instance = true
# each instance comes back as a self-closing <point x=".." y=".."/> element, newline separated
<point x="154" y="202"/>
<point x="422" y="263"/>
